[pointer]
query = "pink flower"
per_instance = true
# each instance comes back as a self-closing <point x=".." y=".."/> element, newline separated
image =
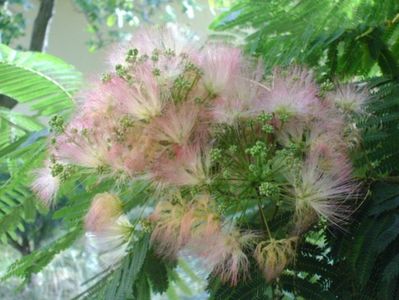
<point x="166" y="234"/>
<point x="104" y="210"/>
<point x="101" y="99"/>
<point x="273" y="256"/>
<point x="177" y="223"/>
<point x="112" y="241"/>
<point x="132" y="160"/>
<point x="220" y="65"/>
<point x="330" y="155"/>
<point x="241" y="98"/>
<point x="146" y="40"/>
<point x="190" y="166"/>
<point x="293" y="92"/>
<point x="145" y="101"/>
<point x="85" y="148"/>
<point x="324" y="193"/>
<point x="45" y="184"/>
<point x="224" y="253"/>
<point x="176" y="125"/>
<point x="239" y="103"/>
<point x="349" y="98"/>
<point x="108" y="228"/>
<point x="201" y="220"/>
<point x="166" y="50"/>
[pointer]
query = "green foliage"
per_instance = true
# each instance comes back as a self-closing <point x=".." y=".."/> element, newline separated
<point x="12" y="24"/>
<point x="157" y="273"/>
<point x="370" y="248"/>
<point x="307" y="278"/>
<point x="47" y="84"/>
<point x="117" y="282"/>
<point x="37" y="260"/>
<point x="16" y="127"/>
<point x="345" y="38"/>
<point x="17" y="204"/>
<point x="43" y="81"/>
<point x="380" y="154"/>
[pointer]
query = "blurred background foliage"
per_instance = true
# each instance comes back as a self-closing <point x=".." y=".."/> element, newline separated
<point x="341" y="40"/>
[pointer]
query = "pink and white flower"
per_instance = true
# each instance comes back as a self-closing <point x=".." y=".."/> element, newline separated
<point x="45" y="184"/>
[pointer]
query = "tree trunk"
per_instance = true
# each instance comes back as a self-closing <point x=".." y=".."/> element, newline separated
<point x="41" y="26"/>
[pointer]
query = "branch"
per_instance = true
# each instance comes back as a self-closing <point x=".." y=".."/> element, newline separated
<point x="41" y="25"/>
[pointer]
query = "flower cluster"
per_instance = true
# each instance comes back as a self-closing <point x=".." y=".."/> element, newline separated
<point x="226" y="149"/>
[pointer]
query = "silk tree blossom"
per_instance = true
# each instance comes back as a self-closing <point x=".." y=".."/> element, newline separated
<point x="112" y="241"/>
<point x="201" y="220"/>
<point x="101" y="98"/>
<point x="189" y="167"/>
<point x="176" y="125"/>
<point x="322" y="193"/>
<point x="132" y="161"/>
<point x="86" y="148"/>
<point x="177" y="223"/>
<point x="108" y="228"/>
<point x="240" y="102"/>
<point x="220" y="66"/>
<point x="168" y="52"/>
<point x="225" y="252"/>
<point x="166" y="236"/>
<point x="349" y="98"/>
<point x="104" y="210"/>
<point x="216" y="143"/>
<point x="273" y="256"/>
<point x="142" y="97"/>
<point x="330" y="155"/>
<point x="45" y="184"/>
<point x="293" y="92"/>
<point x="147" y="40"/>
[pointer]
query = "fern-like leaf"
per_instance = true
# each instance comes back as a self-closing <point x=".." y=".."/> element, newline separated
<point x="40" y="80"/>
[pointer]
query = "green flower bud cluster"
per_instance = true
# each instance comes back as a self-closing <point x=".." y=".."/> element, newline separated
<point x="289" y="156"/>
<point x="221" y="207"/>
<point x="226" y="174"/>
<point x="190" y="67"/>
<point x="145" y="225"/>
<point x="131" y="55"/>
<point x="181" y="82"/>
<point x="57" y="124"/>
<point x="170" y="53"/>
<point x="284" y="116"/>
<point x="258" y="150"/>
<point x="253" y="168"/>
<point x="268" y="128"/>
<point x="122" y="72"/>
<point x="106" y="77"/>
<point x="156" y="72"/>
<point x="216" y="155"/>
<point x="269" y="189"/>
<point x="233" y="149"/>
<point x="265" y="117"/>
<point x="155" y="55"/>
<point x="63" y="172"/>
<point x="124" y="124"/>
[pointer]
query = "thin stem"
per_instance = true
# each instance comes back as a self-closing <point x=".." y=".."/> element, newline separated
<point x="263" y="217"/>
